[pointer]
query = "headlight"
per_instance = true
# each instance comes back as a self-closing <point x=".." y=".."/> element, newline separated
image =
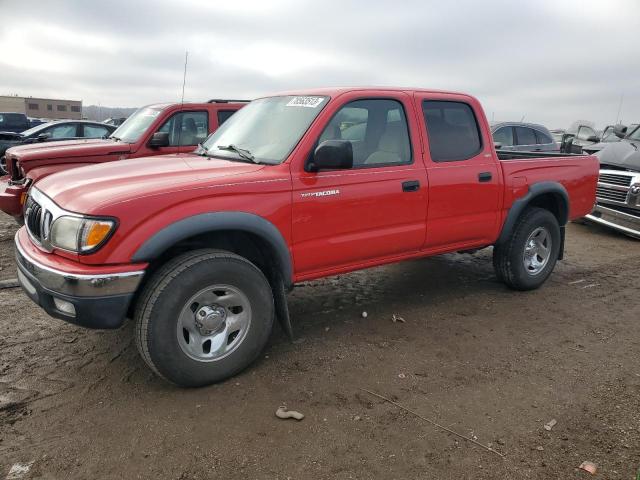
<point x="79" y="234"/>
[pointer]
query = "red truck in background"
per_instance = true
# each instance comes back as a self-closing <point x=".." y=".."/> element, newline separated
<point x="152" y="130"/>
<point x="201" y="248"/>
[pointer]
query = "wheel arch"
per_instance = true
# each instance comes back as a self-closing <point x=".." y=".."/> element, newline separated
<point x="247" y="232"/>
<point x="551" y="196"/>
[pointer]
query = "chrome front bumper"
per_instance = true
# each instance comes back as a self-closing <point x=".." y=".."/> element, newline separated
<point x="75" y="284"/>
<point x="620" y="221"/>
<point x="93" y="301"/>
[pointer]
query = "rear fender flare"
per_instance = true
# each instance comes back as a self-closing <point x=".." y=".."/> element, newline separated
<point x="535" y="191"/>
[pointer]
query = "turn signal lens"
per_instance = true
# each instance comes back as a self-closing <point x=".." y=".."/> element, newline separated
<point x="94" y="232"/>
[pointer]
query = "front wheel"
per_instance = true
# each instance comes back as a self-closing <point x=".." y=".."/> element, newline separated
<point x="204" y="317"/>
<point x="527" y="259"/>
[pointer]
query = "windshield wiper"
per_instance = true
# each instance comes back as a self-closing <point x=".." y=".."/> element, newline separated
<point x="117" y="139"/>
<point x="242" y="152"/>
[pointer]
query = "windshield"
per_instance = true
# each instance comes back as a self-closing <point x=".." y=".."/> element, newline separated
<point x="138" y="123"/>
<point x="36" y="129"/>
<point x="635" y="135"/>
<point x="268" y="129"/>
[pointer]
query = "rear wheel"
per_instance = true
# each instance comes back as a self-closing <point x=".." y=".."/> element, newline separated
<point x="527" y="259"/>
<point x="204" y="317"/>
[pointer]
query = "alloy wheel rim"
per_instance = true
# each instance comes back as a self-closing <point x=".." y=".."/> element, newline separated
<point x="213" y="323"/>
<point x="537" y="251"/>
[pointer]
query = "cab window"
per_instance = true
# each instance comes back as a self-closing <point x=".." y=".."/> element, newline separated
<point x="377" y="130"/>
<point x="504" y="135"/>
<point x="186" y="128"/>
<point x="452" y="130"/>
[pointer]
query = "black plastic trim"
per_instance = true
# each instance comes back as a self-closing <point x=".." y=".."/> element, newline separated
<point x="520" y="204"/>
<point x="218" y="221"/>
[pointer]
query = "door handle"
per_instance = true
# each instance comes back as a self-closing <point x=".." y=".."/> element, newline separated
<point x="484" y="177"/>
<point x="411" y="186"/>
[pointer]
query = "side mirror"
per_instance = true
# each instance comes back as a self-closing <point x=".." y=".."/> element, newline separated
<point x="331" y="155"/>
<point x="593" y="138"/>
<point x="620" y="131"/>
<point x="159" y="139"/>
<point x="498" y="145"/>
<point x="43" y="137"/>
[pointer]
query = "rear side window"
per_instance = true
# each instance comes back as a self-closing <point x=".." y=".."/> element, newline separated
<point x="452" y="129"/>
<point x="542" y="138"/>
<point x="223" y="115"/>
<point x="95" y="131"/>
<point x="504" y="136"/>
<point x="525" y="136"/>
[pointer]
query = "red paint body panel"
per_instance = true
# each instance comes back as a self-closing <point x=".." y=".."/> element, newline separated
<point x="39" y="160"/>
<point x="371" y="221"/>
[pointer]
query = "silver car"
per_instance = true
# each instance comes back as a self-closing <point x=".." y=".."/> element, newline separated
<point x="523" y="137"/>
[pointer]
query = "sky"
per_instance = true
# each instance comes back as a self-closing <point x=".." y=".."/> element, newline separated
<point x="549" y="61"/>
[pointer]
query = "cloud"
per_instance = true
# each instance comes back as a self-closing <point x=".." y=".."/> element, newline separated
<point x="550" y="61"/>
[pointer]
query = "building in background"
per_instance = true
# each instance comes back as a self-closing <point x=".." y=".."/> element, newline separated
<point x="42" y="107"/>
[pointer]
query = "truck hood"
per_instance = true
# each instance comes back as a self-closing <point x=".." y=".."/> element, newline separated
<point x="625" y="154"/>
<point x="87" y="189"/>
<point x="68" y="149"/>
<point x="10" y="136"/>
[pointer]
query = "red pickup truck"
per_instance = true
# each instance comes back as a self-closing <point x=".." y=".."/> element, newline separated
<point x="153" y="130"/>
<point x="201" y="248"/>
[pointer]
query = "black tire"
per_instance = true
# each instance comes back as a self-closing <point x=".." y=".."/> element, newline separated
<point x="169" y="290"/>
<point x="508" y="257"/>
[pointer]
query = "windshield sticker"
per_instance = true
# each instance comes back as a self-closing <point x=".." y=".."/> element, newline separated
<point x="309" y="102"/>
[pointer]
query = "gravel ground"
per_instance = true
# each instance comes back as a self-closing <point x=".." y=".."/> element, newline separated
<point x="489" y="363"/>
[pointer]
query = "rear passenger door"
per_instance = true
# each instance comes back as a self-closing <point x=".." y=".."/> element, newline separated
<point x="465" y="181"/>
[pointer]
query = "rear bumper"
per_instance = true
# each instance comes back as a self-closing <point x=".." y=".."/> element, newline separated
<point x="11" y="199"/>
<point x="89" y="300"/>
<point x="620" y="221"/>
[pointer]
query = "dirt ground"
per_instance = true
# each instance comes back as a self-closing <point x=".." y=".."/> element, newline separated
<point x="484" y="361"/>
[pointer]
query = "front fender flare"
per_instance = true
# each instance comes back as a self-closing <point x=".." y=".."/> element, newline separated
<point x="218" y="221"/>
<point x="536" y="190"/>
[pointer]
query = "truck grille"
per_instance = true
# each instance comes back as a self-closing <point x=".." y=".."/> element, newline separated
<point x="36" y="219"/>
<point x="616" y="179"/>
<point x="607" y="193"/>
<point x="614" y="186"/>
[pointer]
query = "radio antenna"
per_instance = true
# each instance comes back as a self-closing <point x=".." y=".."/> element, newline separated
<point x="618" y="119"/>
<point x="184" y="81"/>
<point x="184" y="76"/>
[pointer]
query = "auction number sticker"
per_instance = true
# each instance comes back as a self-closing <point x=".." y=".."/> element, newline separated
<point x="309" y="102"/>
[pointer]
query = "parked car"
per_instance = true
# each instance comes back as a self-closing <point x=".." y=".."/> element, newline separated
<point x="577" y="137"/>
<point x="34" y="122"/>
<point x="153" y="130"/>
<point x="50" y="132"/>
<point x="201" y="248"/>
<point x="524" y="137"/>
<point x="13" y="122"/>
<point x="618" y="193"/>
<point x="611" y="134"/>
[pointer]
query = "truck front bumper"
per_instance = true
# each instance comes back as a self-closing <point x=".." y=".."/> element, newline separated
<point x="12" y="197"/>
<point x="98" y="300"/>
<point x="617" y="220"/>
